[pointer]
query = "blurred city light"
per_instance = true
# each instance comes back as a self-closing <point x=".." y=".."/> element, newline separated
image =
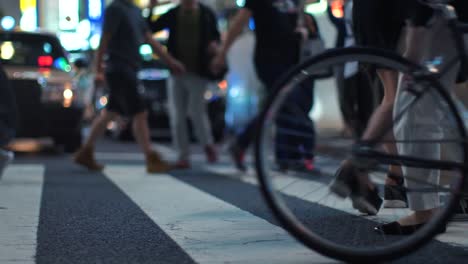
<point x="68" y="94"/>
<point x="68" y="14"/>
<point x="84" y="29"/>
<point x="95" y="9"/>
<point x="7" y="51"/>
<point x="28" y="21"/>
<point x="317" y="8"/>
<point x="8" y="23"/>
<point x="94" y="41"/>
<point x="240" y="2"/>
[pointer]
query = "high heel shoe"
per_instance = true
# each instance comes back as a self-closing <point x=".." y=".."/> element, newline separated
<point x="394" y="228"/>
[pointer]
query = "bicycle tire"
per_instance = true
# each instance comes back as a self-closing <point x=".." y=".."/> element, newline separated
<point x="285" y="215"/>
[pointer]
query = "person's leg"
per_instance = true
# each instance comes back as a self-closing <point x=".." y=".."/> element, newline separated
<point x="85" y="155"/>
<point x="296" y="130"/>
<point x="141" y="131"/>
<point x="197" y="111"/>
<point x="347" y="97"/>
<point x="414" y="126"/>
<point x="307" y="125"/>
<point x="178" y="100"/>
<point x="98" y="127"/>
<point x="133" y="105"/>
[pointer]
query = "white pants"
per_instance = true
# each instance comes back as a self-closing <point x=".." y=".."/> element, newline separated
<point x="187" y="99"/>
<point x="427" y="119"/>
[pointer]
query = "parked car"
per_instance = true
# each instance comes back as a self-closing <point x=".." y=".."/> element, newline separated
<point x="48" y="102"/>
<point x="153" y="76"/>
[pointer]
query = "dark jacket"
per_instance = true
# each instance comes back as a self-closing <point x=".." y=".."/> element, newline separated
<point x="209" y="32"/>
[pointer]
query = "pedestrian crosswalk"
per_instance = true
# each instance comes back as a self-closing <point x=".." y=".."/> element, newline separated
<point x="207" y="227"/>
<point x="20" y="199"/>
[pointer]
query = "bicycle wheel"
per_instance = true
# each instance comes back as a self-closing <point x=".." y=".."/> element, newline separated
<point x="425" y="129"/>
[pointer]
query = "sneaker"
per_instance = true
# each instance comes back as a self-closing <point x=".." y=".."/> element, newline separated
<point x="303" y="165"/>
<point x="181" y="165"/>
<point x="346" y="184"/>
<point x="85" y="157"/>
<point x="211" y="154"/>
<point x="309" y="165"/>
<point x="5" y="158"/>
<point x="237" y="155"/>
<point x="155" y="164"/>
<point x="395" y="197"/>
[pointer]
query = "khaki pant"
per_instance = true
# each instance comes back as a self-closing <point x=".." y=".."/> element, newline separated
<point x="427" y="119"/>
<point x="187" y="99"/>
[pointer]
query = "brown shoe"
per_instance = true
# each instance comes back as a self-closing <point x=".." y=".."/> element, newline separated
<point x="211" y="154"/>
<point x="154" y="163"/>
<point x="85" y="157"/>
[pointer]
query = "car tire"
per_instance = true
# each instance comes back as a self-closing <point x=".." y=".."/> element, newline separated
<point x="70" y="143"/>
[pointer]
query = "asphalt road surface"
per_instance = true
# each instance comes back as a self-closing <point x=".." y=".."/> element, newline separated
<point x="52" y="211"/>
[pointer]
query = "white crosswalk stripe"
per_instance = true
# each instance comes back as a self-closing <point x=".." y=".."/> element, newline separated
<point x="457" y="232"/>
<point x="207" y="228"/>
<point x="20" y="199"/>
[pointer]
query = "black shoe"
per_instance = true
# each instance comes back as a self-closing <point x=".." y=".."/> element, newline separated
<point x="394" y="228"/>
<point x="395" y="197"/>
<point x="346" y="184"/>
<point x="368" y="202"/>
<point x="237" y="155"/>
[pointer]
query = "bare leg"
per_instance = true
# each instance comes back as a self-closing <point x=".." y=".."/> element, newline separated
<point x="98" y="127"/>
<point x="141" y="131"/>
<point x="383" y="117"/>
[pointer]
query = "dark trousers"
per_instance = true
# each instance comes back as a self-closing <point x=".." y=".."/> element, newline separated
<point x="288" y="145"/>
<point x="357" y="101"/>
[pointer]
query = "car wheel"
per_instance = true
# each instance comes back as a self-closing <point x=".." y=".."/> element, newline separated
<point x="70" y="142"/>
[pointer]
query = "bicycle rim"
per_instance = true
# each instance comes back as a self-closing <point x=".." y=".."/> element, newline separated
<point x="300" y="198"/>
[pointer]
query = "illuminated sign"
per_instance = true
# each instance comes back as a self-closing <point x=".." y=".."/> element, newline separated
<point x="28" y="21"/>
<point x="68" y="14"/>
<point x="316" y="6"/>
<point x="8" y="23"/>
<point x="27" y="4"/>
<point x="95" y="9"/>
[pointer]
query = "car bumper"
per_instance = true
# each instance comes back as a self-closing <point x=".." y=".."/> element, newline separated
<point x="50" y="120"/>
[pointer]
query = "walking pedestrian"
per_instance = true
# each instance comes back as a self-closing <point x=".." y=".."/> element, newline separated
<point x="7" y="119"/>
<point x="356" y="92"/>
<point x="193" y="40"/>
<point x="278" y="42"/>
<point x="379" y="24"/>
<point x="124" y="31"/>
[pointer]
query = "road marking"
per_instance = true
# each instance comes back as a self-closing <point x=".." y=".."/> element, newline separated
<point x="207" y="228"/>
<point x="457" y="232"/>
<point x="20" y="202"/>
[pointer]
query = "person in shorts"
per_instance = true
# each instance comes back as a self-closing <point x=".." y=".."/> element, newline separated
<point x="124" y="31"/>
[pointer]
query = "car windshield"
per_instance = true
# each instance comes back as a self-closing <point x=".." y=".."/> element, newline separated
<point x="23" y="49"/>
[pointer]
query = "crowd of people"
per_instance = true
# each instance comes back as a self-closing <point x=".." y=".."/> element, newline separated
<point x="195" y="52"/>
